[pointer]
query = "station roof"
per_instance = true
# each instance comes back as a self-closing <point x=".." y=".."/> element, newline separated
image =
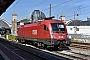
<point x="4" y="4"/>
<point x="78" y="23"/>
<point x="4" y="23"/>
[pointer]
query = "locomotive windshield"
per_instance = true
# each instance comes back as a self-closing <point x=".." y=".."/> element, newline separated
<point x="58" y="27"/>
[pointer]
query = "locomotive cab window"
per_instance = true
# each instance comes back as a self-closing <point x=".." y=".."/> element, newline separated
<point x="45" y="27"/>
<point x="58" y="27"/>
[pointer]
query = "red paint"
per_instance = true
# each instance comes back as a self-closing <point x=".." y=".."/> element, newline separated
<point x="36" y="30"/>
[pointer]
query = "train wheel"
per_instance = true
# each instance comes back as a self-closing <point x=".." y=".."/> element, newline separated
<point x="35" y="44"/>
<point x="22" y="41"/>
<point x="50" y="48"/>
<point x="55" y="48"/>
<point x="17" y="41"/>
<point x="60" y="47"/>
<point x="38" y="44"/>
<point x="45" y="46"/>
<point x="68" y="44"/>
<point x="42" y="45"/>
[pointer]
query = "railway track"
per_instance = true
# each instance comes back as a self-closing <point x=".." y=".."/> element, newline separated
<point x="41" y="55"/>
<point x="70" y="54"/>
<point x="81" y="45"/>
<point x="59" y="55"/>
<point x="73" y="55"/>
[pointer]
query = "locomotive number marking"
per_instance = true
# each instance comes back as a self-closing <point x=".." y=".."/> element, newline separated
<point x="34" y="32"/>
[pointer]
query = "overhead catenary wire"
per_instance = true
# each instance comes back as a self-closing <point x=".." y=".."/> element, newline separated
<point x="76" y="8"/>
<point x="13" y="6"/>
<point x="51" y="7"/>
<point x="81" y="13"/>
<point x="36" y="6"/>
<point x="40" y="3"/>
<point x="71" y="4"/>
<point x="80" y="6"/>
<point x="57" y="5"/>
<point x="62" y="4"/>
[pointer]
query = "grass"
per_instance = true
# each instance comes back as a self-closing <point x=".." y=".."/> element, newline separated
<point x="10" y="37"/>
<point x="75" y="40"/>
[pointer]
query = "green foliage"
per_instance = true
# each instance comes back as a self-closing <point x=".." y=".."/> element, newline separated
<point x="72" y="39"/>
<point x="75" y="40"/>
<point x="11" y="37"/>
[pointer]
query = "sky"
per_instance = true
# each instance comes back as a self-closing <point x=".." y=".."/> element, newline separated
<point x="24" y="8"/>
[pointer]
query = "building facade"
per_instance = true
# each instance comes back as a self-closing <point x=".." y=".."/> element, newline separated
<point x="5" y="26"/>
<point x="78" y="27"/>
<point x="14" y="25"/>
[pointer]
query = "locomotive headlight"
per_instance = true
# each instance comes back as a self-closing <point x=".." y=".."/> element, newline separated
<point x="52" y="36"/>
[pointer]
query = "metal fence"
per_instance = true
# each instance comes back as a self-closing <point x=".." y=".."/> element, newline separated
<point x="85" y="38"/>
<point x="79" y="36"/>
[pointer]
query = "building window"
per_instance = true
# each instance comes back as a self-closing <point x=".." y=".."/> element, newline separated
<point x="70" y="28"/>
<point x="77" y="29"/>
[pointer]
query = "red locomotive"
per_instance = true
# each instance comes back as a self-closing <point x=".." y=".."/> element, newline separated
<point x="47" y="33"/>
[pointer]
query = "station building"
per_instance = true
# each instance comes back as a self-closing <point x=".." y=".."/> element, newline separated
<point x="5" y="26"/>
<point x="78" y="26"/>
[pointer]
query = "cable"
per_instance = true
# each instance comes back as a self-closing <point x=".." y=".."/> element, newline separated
<point x="13" y="6"/>
<point x="72" y="4"/>
<point x="80" y="14"/>
<point x="69" y="10"/>
<point x="57" y="5"/>
<point x="66" y="6"/>
<point x="77" y="9"/>
<point x="40" y="3"/>
<point x="36" y="5"/>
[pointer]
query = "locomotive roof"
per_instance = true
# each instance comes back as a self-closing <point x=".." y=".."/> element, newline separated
<point x="41" y="22"/>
